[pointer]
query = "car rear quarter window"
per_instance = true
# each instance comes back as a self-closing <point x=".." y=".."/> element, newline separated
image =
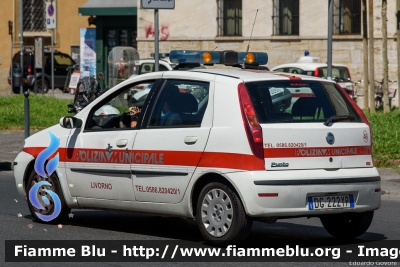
<point x="63" y="60"/>
<point x="298" y="101"/>
<point x="181" y="103"/>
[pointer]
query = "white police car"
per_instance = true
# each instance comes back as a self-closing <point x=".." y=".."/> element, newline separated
<point x="144" y="66"/>
<point x="224" y="146"/>
<point x="311" y="66"/>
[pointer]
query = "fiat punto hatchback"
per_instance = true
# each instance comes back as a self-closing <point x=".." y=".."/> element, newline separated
<point x="223" y="146"/>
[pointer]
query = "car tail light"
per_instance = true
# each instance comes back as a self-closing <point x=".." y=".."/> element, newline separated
<point x="348" y="73"/>
<point x="251" y="125"/>
<point x="360" y="113"/>
<point x="29" y="70"/>
<point x="121" y="68"/>
<point x="316" y="72"/>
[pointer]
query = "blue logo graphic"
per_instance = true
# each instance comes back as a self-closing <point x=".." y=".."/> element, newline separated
<point x="330" y="138"/>
<point x="50" y="168"/>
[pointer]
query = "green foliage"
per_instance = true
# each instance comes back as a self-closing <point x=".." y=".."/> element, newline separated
<point x="44" y="111"/>
<point x="386" y="136"/>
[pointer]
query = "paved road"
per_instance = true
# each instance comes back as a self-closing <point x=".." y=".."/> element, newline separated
<point x="110" y="225"/>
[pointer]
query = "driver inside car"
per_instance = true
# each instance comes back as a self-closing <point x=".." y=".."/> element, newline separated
<point x="134" y="112"/>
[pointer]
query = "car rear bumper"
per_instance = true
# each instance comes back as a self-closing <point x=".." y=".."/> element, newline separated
<point x="286" y="193"/>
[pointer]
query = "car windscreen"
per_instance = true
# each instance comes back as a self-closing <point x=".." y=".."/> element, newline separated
<point x="340" y="73"/>
<point x="299" y="101"/>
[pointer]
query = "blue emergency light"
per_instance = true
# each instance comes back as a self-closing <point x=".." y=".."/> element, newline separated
<point x="189" y="56"/>
<point x="228" y="57"/>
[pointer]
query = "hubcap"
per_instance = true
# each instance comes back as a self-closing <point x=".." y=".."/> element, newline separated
<point x="44" y="198"/>
<point x="217" y="212"/>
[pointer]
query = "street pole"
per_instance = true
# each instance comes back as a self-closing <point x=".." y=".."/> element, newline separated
<point x="21" y="44"/>
<point x="26" y="115"/>
<point x="156" y="40"/>
<point x="10" y="31"/>
<point x="371" y="56"/>
<point x="365" y="54"/>
<point x="398" y="52"/>
<point x="330" y="18"/>
<point x="52" y="61"/>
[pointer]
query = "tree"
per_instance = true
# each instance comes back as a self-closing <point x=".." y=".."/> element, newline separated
<point x="386" y="106"/>
<point x="365" y="54"/>
<point x="398" y="48"/>
<point x="371" y="56"/>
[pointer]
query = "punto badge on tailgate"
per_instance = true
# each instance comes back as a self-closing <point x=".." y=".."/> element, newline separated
<point x="330" y="138"/>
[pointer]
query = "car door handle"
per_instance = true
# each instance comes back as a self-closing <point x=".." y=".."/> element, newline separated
<point x="190" y="140"/>
<point x="122" y="142"/>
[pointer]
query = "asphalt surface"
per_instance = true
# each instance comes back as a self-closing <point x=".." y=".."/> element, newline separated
<point x="125" y="226"/>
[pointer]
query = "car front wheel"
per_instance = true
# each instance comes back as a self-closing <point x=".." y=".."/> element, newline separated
<point x="220" y="214"/>
<point x="45" y="199"/>
<point x="347" y="225"/>
<point x="38" y="89"/>
<point x="16" y="90"/>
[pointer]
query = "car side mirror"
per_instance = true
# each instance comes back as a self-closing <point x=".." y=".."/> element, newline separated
<point x="70" y="122"/>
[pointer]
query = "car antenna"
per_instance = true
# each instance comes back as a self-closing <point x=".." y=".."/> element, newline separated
<point x="215" y="48"/>
<point x="248" y="46"/>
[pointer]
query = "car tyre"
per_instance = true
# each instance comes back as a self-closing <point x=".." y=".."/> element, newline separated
<point x="49" y="208"/>
<point x="347" y="225"/>
<point x="16" y="90"/>
<point x="38" y="88"/>
<point x="220" y="214"/>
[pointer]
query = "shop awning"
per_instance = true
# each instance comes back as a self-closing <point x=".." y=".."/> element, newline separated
<point x="109" y="8"/>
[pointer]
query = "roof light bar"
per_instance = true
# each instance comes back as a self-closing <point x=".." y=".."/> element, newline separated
<point x="188" y="56"/>
<point x="227" y="57"/>
<point x="253" y="58"/>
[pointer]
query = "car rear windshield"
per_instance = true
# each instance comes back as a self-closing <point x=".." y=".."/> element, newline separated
<point x="17" y="59"/>
<point x="299" y="101"/>
<point x="340" y="73"/>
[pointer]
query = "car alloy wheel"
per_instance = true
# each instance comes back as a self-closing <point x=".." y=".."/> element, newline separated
<point x="45" y="200"/>
<point x="217" y="212"/>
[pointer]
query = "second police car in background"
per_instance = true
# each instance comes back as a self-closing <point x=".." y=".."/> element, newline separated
<point x="312" y="66"/>
<point x="144" y="66"/>
<point x="224" y="146"/>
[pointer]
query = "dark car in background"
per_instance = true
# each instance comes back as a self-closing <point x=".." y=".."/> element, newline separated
<point x="62" y="62"/>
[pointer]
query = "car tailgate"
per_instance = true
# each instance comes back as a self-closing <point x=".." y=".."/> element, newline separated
<point x="299" y="146"/>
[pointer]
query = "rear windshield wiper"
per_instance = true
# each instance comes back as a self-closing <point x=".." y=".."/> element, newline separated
<point x="339" y="118"/>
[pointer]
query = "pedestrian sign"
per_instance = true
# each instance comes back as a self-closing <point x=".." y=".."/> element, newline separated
<point x="51" y="21"/>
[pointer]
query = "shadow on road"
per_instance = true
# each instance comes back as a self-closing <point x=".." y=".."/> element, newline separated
<point x="279" y="234"/>
<point x="5" y="166"/>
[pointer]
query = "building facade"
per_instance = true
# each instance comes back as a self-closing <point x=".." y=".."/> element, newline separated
<point x="66" y="36"/>
<point x="283" y="28"/>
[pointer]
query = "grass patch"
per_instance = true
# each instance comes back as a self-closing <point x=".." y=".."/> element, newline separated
<point x="386" y="137"/>
<point x="45" y="111"/>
